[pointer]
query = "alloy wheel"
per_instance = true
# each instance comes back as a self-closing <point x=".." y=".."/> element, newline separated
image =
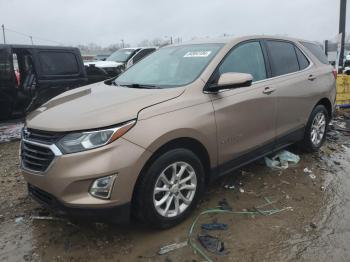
<point x="318" y="128"/>
<point x="175" y="189"/>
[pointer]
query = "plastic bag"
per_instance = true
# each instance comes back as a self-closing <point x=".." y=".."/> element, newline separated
<point x="282" y="160"/>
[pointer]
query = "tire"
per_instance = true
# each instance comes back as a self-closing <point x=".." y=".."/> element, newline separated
<point x="159" y="174"/>
<point x="314" y="140"/>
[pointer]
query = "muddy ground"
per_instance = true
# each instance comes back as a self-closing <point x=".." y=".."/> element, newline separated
<point x="315" y="227"/>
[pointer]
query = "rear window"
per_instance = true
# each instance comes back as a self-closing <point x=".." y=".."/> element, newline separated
<point x="316" y="50"/>
<point x="58" y="63"/>
<point x="282" y="57"/>
<point x="303" y="62"/>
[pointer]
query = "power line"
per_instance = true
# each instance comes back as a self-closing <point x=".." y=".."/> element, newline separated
<point x="31" y="36"/>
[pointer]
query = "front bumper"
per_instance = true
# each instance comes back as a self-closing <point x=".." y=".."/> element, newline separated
<point x="68" y="179"/>
<point x="118" y="214"/>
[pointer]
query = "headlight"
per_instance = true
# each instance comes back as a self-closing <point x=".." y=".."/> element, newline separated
<point x="81" y="141"/>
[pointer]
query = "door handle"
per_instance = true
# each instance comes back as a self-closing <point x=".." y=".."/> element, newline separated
<point x="311" y="77"/>
<point x="268" y="90"/>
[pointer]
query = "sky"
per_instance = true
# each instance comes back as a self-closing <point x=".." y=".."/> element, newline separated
<point x="105" y="22"/>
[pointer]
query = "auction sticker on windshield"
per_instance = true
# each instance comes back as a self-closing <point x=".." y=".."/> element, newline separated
<point x="197" y="54"/>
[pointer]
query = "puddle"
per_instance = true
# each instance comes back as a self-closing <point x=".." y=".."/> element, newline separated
<point x="10" y="131"/>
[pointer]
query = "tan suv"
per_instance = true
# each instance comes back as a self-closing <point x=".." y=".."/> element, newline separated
<point x="147" y="143"/>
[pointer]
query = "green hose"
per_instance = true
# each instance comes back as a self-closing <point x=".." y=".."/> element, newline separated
<point x="218" y="211"/>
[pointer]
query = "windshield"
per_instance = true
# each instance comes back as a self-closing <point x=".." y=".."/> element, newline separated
<point x="122" y="55"/>
<point x="170" y="66"/>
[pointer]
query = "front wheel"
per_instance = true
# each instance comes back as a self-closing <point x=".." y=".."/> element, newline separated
<point x="315" y="132"/>
<point x="170" y="188"/>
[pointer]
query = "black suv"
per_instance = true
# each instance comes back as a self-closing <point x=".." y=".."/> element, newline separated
<point x="31" y="75"/>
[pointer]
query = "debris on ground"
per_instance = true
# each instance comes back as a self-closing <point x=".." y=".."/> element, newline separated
<point x="282" y="160"/>
<point x="214" y="226"/>
<point x="309" y="173"/>
<point x="10" y="131"/>
<point x="313" y="225"/>
<point x="47" y="218"/>
<point x="241" y="190"/>
<point x="232" y="187"/>
<point x="342" y="126"/>
<point x="212" y="244"/>
<point x="19" y="220"/>
<point x="223" y="205"/>
<point x="171" y="247"/>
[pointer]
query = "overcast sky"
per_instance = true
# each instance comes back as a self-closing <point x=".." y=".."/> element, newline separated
<point x="105" y="22"/>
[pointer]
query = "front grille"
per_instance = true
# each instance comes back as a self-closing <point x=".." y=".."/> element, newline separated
<point x="35" y="157"/>
<point x="44" y="137"/>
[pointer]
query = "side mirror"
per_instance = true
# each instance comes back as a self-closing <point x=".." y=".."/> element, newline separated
<point x="232" y="80"/>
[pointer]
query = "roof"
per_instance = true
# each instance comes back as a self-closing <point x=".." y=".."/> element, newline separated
<point x="138" y="47"/>
<point x="226" y="40"/>
<point x="35" y="46"/>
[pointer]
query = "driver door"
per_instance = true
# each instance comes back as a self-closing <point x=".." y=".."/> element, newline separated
<point x="245" y="116"/>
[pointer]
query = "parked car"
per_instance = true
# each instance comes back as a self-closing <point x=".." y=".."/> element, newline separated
<point x="149" y="143"/>
<point x="121" y="59"/>
<point x="31" y="75"/>
<point x="347" y="65"/>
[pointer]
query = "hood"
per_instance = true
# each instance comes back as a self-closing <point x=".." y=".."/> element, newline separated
<point x="103" y="64"/>
<point x="97" y="105"/>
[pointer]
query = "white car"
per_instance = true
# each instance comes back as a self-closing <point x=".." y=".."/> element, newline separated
<point x="347" y="65"/>
<point x="122" y="59"/>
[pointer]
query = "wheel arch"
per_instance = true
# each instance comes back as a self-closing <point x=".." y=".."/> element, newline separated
<point x="327" y="104"/>
<point x="189" y="143"/>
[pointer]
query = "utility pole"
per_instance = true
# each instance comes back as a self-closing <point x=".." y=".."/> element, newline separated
<point x="122" y="43"/>
<point x="171" y="40"/>
<point x="342" y="19"/>
<point x="31" y="40"/>
<point x="3" y="32"/>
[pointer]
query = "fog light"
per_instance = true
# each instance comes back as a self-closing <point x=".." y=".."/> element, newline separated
<point x="102" y="187"/>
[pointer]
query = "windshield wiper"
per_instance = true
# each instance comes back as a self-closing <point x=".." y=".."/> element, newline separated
<point x="141" y="86"/>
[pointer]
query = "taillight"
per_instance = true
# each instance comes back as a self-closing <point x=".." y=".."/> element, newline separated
<point x="334" y="71"/>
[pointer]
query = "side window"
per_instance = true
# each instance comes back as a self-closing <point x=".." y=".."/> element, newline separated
<point x="303" y="62"/>
<point x="142" y="54"/>
<point x="246" y="58"/>
<point x="58" y="63"/>
<point x="316" y="50"/>
<point x="5" y="65"/>
<point x="283" y="58"/>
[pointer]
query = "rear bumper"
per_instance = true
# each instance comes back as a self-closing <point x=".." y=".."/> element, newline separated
<point x="119" y="214"/>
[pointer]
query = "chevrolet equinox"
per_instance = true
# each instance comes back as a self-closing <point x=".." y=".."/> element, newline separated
<point x="146" y="144"/>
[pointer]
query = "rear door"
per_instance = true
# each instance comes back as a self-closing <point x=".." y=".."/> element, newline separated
<point x="8" y="90"/>
<point x="58" y="70"/>
<point x="245" y="116"/>
<point x="293" y="81"/>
